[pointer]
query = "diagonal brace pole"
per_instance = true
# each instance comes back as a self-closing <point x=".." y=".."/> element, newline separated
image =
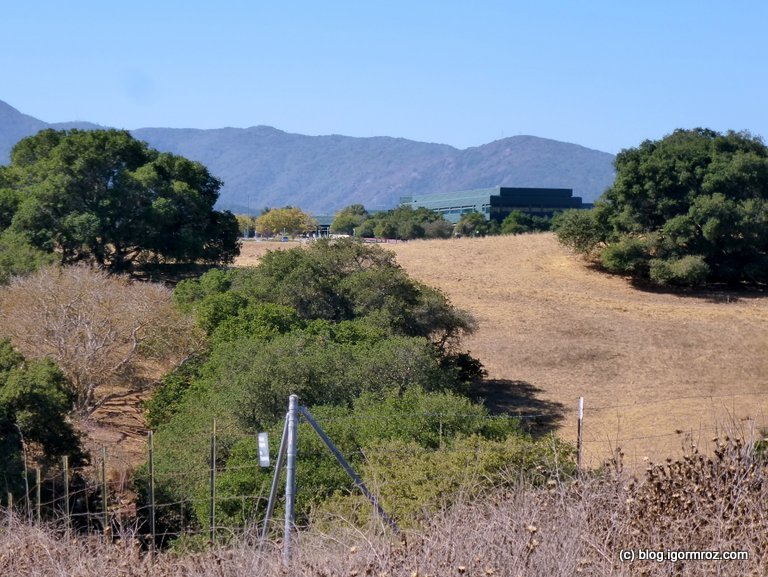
<point x="348" y="468"/>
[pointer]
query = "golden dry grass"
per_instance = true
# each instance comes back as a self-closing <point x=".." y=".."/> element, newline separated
<point x="648" y="363"/>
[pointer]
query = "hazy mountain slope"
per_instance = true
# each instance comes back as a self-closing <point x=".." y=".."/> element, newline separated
<point x="13" y="127"/>
<point x="262" y="166"/>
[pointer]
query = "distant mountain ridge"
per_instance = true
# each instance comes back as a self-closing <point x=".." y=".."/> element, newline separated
<point x="262" y="166"/>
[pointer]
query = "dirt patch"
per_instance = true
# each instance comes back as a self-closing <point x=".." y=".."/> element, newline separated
<point x="252" y="250"/>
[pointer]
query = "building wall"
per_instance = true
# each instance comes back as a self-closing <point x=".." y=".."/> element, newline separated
<point x="496" y="203"/>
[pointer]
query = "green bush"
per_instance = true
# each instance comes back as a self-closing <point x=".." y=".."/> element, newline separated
<point x="342" y="326"/>
<point x="628" y="256"/>
<point x="518" y="222"/>
<point x="691" y="270"/>
<point x="35" y="402"/>
<point x="578" y="230"/>
<point x="19" y="258"/>
<point x="413" y="482"/>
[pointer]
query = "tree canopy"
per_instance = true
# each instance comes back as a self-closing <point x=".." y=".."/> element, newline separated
<point x="35" y="399"/>
<point x="348" y="219"/>
<point x="475" y="224"/>
<point x="104" y="197"/>
<point x="288" y="220"/>
<point x="403" y="223"/>
<point x="687" y="209"/>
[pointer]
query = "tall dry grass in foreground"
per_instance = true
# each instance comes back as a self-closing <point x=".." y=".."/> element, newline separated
<point x="697" y="503"/>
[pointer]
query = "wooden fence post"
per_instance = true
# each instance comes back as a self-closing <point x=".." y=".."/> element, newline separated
<point x="67" y="519"/>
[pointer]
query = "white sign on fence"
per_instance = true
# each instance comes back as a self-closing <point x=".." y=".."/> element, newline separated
<point x="263" y="450"/>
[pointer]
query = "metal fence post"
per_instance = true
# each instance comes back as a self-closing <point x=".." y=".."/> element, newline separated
<point x="275" y="481"/>
<point x="580" y="434"/>
<point x="290" y="475"/>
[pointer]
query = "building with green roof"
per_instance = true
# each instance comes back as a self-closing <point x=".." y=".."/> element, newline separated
<point x="496" y="203"/>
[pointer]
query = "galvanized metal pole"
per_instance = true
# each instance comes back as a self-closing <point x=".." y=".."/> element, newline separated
<point x="348" y="468"/>
<point x="275" y="481"/>
<point x="290" y="475"/>
<point x="579" y="434"/>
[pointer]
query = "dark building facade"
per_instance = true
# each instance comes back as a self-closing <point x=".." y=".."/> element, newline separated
<point x="496" y="203"/>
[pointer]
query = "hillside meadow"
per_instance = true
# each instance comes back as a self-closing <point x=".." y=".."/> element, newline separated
<point x="656" y="369"/>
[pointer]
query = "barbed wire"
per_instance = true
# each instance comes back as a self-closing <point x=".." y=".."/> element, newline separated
<point x="87" y="482"/>
<point x="676" y="399"/>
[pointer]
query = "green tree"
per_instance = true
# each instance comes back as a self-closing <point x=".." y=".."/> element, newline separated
<point x="580" y="230"/>
<point x="35" y="401"/>
<point x="289" y="220"/>
<point x="104" y="197"/>
<point x="518" y="222"/>
<point x="334" y="322"/>
<point x="695" y="193"/>
<point x="348" y="219"/>
<point x="18" y="257"/>
<point x="473" y="224"/>
<point x="333" y="280"/>
<point x="246" y="225"/>
<point x="405" y="223"/>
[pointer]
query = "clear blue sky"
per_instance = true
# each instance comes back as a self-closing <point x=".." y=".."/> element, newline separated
<point x="603" y="74"/>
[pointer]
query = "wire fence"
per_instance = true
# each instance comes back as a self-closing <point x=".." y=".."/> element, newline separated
<point x="230" y="495"/>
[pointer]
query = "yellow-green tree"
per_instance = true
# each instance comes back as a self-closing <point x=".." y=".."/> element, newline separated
<point x="290" y="220"/>
<point x="246" y="224"/>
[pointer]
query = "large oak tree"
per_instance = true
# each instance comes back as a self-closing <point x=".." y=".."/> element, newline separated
<point x="687" y="209"/>
<point x="103" y="196"/>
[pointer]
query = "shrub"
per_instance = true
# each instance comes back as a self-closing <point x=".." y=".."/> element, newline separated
<point x="578" y="230"/>
<point x="19" y="258"/>
<point x="35" y="402"/>
<point x="414" y="482"/>
<point x="691" y="270"/>
<point x="628" y="256"/>
<point x="95" y="326"/>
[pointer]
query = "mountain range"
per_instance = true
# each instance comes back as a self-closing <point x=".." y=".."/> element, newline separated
<point x="263" y="167"/>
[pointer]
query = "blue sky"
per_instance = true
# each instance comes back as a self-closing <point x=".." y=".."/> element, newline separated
<point x="603" y="74"/>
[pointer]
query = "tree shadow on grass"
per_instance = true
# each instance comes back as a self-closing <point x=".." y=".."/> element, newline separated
<point x="717" y="293"/>
<point x="714" y="293"/>
<point x="518" y="398"/>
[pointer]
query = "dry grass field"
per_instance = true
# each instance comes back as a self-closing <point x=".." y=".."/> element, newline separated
<point x="653" y="367"/>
